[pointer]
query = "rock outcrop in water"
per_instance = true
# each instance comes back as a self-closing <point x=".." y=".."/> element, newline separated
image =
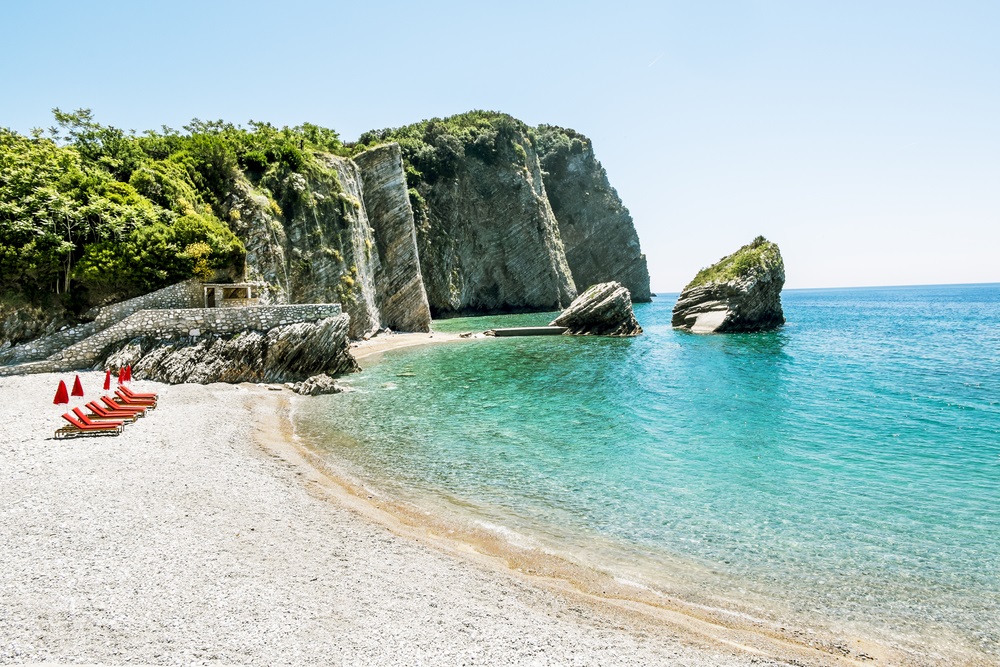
<point x="602" y="310"/>
<point x="289" y="353"/>
<point x="317" y="385"/>
<point x="741" y="292"/>
<point x="596" y="229"/>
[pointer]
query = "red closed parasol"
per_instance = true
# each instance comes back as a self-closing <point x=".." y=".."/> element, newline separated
<point x="121" y="376"/>
<point x="77" y="387"/>
<point x="107" y="380"/>
<point x="62" y="396"/>
<point x="128" y="373"/>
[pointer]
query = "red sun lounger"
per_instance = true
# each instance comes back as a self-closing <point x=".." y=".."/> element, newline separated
<point x="124" y="399"/>
<point x="78" y="427"/>
<point x="135" y="394"/>
<point x="107" y="413"/>
<point x="114" y="405"/>
<point x="96" y="419"/>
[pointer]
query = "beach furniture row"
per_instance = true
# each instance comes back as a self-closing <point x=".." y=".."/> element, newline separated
<point x="109" y="416"/>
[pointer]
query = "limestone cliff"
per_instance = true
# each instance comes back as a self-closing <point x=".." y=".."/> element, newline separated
<point x="488" y="239"/>
<point x="596" y="229"/>
<point x="740" y="292"/>
<point x="399" y="286"/>
<point x="316" y="245"/>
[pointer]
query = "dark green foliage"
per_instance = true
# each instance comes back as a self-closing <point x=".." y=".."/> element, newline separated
<point x="109" y="147"/>
<point x="94" y="214"/>
<point x="757" y="256"/>
<point x="432" y="149"/>
<point x="555" y="145"/>
<point x="52" y="204"/>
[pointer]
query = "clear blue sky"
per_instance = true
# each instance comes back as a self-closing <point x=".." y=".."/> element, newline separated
<point x="862" y="136"/>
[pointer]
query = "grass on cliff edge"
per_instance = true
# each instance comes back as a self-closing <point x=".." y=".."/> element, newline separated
<point x="758" y="255"/>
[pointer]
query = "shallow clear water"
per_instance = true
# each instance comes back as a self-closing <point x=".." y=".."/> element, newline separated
<point x="844" y="468"/>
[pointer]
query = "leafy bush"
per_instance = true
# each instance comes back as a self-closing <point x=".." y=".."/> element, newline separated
<point x="93" y="213"/>
<point x="432" y="149"/>
<point x="756" y="257"/>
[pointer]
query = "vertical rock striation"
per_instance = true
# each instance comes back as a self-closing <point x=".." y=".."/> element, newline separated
<point x="399" y="286"/>
<point x="488" y="239"/>
<point x="315" y="247"/>
<point x="596" y="229"/>
<point x="740" y="292"/>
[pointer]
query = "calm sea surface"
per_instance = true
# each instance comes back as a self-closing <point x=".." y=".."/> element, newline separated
<point x="844" y="470"/>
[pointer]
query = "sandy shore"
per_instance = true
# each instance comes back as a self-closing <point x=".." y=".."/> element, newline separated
<point x="203" y="536"/>
<point x="367" y="351"/>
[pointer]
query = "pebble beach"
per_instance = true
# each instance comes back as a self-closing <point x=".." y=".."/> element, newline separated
<point x="200" y="536"/>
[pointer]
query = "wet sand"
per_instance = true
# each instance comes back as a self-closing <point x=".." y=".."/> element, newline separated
<point x="207" y="534"/>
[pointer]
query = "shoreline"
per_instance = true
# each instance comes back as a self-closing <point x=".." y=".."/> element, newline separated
<point x="210" y="532"/>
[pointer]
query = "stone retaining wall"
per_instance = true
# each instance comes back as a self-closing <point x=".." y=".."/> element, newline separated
<point x="187" y="294"/>
<point x="46" y="346"/>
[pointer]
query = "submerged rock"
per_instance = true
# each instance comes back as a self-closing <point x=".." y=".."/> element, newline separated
<point x="602" y="310"/>
<point x="741" y="292"/>
<point x="289" y="353"/>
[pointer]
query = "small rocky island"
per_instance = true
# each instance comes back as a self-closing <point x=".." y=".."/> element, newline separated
<point x="739" y="293"/>
<point x="604" y="309"/>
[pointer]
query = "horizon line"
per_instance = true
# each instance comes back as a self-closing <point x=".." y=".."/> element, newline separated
<point x="805" y="289"/>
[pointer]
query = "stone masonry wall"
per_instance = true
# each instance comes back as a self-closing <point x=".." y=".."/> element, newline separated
<point x="187" y="294"/>
<point x="46" y="346"/>
<point x="176" y="322"/>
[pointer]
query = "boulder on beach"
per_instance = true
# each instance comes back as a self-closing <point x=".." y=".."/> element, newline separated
<point x="316" y="385"/>
<point x="604" y="309"/>
<point x="739" y="293"/>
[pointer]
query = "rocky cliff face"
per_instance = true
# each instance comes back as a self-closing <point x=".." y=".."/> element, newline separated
<point x="741" y="292"/>
<point x="601" y="310"/>
<point x="488" y="239"/>
<point x="596" y="229"/>
<point x="319" y="247"/>
<point x="399" y="286"/>
<point x="287" y="353"/>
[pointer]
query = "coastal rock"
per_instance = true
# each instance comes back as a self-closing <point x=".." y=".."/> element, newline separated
<point x="602" y="310"/>
<point x="488" y="239"/>
<point x="316" y="385"/>
<point x="316" y="245"/>
<point x="597" y="231"/>
<point x="288" y="353"/>
<point x="399" y="286"/>
<point x="741" y="292"/>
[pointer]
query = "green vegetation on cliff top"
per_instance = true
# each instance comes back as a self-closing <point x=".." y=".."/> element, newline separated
<point x="756" y="257"/>
<point x="91" y="214"/>
<point x="432" y="149"/>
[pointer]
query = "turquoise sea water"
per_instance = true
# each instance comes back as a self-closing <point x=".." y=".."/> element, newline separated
<point x="844" y="470"/>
